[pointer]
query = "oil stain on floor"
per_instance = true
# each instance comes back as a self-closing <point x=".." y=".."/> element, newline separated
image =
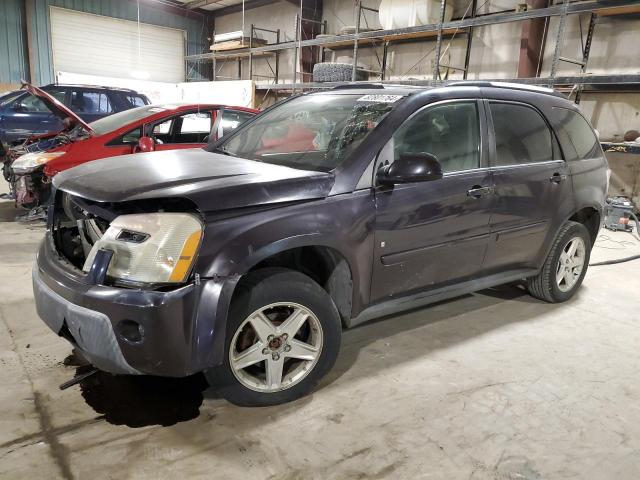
<point x="141" y="401"/>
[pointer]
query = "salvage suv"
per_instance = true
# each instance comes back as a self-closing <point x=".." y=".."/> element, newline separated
<point x="244" y="260"/>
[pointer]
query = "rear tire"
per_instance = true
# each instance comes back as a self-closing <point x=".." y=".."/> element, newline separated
<point x="565" y="267"/>
<point x="283" y="336"/>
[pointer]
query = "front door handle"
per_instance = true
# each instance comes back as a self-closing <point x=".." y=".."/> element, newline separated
<point x="478" y="191"/>
<point x="557" y="178"/>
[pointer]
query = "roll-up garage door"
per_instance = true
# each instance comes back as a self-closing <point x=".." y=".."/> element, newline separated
<point x="98" y="45"/>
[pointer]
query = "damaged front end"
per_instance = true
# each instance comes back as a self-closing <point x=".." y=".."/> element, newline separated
<point x="120" y="320"/>
<point x="23" y="164"/>
<point x="24" y="169"/>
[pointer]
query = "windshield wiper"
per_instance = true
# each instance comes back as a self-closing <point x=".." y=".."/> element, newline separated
<point x="223" y="151"/>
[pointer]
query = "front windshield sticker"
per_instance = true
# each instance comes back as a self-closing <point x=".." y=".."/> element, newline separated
<point x="380" y="98"/>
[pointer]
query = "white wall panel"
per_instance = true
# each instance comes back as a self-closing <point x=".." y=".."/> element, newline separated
<point x="97" y="45"/>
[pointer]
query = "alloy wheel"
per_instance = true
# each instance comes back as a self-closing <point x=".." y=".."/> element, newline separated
<point x="570" y="264"/>
<point x="276" y="347"/>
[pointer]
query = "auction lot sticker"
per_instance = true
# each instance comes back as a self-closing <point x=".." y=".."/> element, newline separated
<point x="380" y="98"/>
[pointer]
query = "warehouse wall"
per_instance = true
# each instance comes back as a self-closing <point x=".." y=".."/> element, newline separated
<point x="15" y="62"/>
<point x="13" y="65"/>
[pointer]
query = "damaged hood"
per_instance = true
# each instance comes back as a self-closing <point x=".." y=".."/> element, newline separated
<point x="57" y="107"/>
<point x="211" y="180"/>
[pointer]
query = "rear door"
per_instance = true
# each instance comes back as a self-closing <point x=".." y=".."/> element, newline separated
<point x="532" y="185"/>
<point x="429" y="234"/>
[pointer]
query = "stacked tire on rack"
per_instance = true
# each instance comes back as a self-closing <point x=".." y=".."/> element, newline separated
<point x="336" y="72"/>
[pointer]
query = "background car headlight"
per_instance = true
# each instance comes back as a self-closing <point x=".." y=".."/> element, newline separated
<point x="150" y="247"/>
<point x="30" y="161"/>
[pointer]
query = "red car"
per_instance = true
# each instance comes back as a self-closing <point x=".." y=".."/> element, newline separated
<point x="142" y="129"/>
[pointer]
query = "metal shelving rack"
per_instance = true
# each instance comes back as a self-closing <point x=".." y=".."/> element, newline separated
<point x="440" y="30"/>
<point x="242" y="53"/>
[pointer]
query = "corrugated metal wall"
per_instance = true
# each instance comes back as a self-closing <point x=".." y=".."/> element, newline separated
<point x="13" y="64"/>
<point x="13" y="58"/>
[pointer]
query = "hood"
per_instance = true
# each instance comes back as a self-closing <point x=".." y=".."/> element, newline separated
<point x="56" y="107"/>
<point x="212" y="181"/>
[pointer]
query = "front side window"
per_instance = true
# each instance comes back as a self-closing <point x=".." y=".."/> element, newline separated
<point x="32" y="104"/>
<point x="522" y="135"/>
<point x="449" y="131"/>
<point x="196" y="123"/>
<point x="314" y="132"/>
<point x="193" y="127"/>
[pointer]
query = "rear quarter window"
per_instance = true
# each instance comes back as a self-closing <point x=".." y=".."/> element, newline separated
<point x="575" y="134"/>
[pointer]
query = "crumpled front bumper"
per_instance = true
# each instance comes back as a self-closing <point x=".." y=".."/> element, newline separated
<point x="182" y="330"/>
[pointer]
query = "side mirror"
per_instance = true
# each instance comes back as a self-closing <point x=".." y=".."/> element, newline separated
<point x="410" y="168"/>
<point x="18" y="107"/>
<point x="145" y="144"/>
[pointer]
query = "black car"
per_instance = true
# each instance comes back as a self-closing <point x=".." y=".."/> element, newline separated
<point x="23" y="115"/>
<point x="246" y="259"/>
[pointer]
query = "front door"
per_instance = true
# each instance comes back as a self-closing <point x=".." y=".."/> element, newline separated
<point x="432" y="233"/>
<point x="532" y="186"/>
<point x="28" y="115"/>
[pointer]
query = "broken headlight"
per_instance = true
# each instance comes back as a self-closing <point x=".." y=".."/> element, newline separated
<point x="150" y="247"/>
<point x="28" y="162"/>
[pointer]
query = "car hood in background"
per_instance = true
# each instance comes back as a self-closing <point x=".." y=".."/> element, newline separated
<point x="212" y="181"/>
<point x="56" y="106"/>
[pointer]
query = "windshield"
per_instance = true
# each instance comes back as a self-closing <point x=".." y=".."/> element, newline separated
<point x="117" y="120"/>
<point x="8" y="97"/>
<point x="314" y="132"/>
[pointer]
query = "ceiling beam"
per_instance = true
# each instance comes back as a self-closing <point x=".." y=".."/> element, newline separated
<point x="248" y="5"/>
<point x="173" y="7"/>
<point x="200" y="3"/>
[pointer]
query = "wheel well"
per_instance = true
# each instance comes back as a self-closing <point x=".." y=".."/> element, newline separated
<point x="324" y="265"/>
<point x="590" y="218"/>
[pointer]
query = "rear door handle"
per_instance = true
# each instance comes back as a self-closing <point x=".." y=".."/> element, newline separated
<point x="557" y="178"/>
<point x="478" y="191"/>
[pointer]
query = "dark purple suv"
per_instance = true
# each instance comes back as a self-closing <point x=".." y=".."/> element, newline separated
<point x="246" y="259"/>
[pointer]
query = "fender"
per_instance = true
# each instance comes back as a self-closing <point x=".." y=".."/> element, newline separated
<point x="233" y="246"/>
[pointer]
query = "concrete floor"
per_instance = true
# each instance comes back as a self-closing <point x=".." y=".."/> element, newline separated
<point x="494" y="385"/>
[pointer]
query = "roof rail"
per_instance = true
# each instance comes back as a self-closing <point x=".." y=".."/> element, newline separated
<point x="348" y="86"/>
<point x="510" y="85"/>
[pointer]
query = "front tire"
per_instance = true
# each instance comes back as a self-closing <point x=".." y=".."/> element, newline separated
<point x="565" y="267"/>
<point x="283" y="336"/>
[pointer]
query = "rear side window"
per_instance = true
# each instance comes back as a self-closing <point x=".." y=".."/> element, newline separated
<point x="136" y="100"/>
<point x="574" y="131"/>
<point x="90" y="102"/>
<point x="522" y="135"/>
